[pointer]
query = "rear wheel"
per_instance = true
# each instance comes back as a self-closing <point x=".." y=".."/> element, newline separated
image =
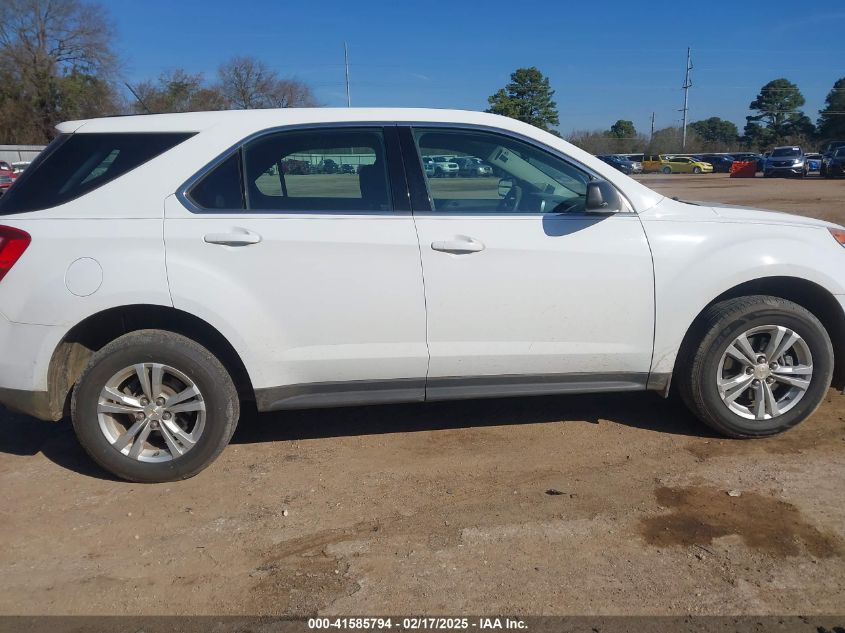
<point x="761" y="366"/>
<point x="666" y="170"/>
<point x="154" y="406"/>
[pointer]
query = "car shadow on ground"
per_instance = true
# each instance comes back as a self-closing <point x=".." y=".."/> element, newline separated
<point x="23" y="435"/>
<point x="641" y="410"/>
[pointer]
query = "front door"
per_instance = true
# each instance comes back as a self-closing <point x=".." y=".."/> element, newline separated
<point x="525" y="291"/>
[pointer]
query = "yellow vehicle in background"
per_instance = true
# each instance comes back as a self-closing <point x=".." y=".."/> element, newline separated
<point x="668" y="164"/>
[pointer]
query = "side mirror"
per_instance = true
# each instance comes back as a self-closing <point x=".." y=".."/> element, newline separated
<point x="505" y="185"/>
<point x="602" y="197"/>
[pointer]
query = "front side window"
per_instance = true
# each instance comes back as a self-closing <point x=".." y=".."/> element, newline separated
<point x="76" y="164"/>
<point x="513" y="176"/>
<point x="317" y="170"/>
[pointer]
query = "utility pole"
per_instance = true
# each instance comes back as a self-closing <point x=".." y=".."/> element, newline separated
<point x="686" y="87"/>
<point x="652" y="128"/>
<point x="346" y="64"/>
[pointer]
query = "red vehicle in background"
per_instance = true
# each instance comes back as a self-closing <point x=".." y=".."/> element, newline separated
<point x="7" y="176"/>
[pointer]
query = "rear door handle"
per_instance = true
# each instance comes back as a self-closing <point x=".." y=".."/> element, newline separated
<point x="460" y="244"/>
<point x="237" y="237"/>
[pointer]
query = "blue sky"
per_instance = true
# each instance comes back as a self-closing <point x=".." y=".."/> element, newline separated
<point x="607" y="60"/>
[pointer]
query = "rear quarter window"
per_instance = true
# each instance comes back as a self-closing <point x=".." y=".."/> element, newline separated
<point x="76" y="164"/>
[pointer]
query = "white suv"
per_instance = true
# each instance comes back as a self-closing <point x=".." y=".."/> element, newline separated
<point x="156" y="271"/>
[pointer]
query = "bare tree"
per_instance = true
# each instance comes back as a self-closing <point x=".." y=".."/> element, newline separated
<point x="605" y="142"/>
<point x="46" y="42"/>
<point x="292" y="93"/>
<point x="248" y="83"/>
<point x="177" y="91"/>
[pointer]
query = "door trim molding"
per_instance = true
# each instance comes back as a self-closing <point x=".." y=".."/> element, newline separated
<point x="398" y="390"/>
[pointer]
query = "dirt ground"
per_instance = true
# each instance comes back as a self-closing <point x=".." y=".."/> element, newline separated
<point x="603" y="504"/>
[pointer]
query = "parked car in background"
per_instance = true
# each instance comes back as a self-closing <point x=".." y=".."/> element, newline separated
<point x="814" y="162"/>
<point x="830" y="149"/>
<point x="6" y="181"/>
<point x="149" y="296"/>
<point x="668" y="164"/>
<point x="346" y="168"/>
<point x="622" y="164"/>
<point x="445" y="166"/>
<point x="19" y="166"/>
<point x="473" y="167"/>
<point x="787" y="160"/>
<point x="7" y="177"/>
<point x="833" y="166"/>
<point x="329" y="166"/>
<point x="428" y="166"/>
<point x="721" y="162"/>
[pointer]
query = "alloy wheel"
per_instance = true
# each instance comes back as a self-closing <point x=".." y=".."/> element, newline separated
<point x="764" y="372"/>
<point x="151" y="412"/>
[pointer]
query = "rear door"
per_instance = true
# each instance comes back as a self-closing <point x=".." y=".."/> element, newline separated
<point x="314" y="275"/>
<point x="525" y="292"/>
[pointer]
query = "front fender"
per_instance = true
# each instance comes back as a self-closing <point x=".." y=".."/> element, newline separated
<point x="696" y="262"/>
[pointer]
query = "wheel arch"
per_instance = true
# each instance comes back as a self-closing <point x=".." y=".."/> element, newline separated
<point x="72" y="354"/>
<point x="810" y="295"/>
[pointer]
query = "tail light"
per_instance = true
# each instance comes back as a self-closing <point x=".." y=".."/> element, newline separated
<point x="13" y="242"/>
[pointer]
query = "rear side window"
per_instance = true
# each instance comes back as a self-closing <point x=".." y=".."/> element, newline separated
<point x="222" y="187"/>
<point x="317" y="170"/>
<point x="76" y="164"/>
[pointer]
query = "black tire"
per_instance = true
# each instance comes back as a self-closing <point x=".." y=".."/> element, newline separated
<point x="177" y="351"/>
<point x="696" y="170"/>
<point x="438" y="173"/>
<point x="666" y="170"/>
<point x="716" y="330"/>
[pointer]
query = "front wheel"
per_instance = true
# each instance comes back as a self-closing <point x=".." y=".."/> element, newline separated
<point x="696" y="170"/>
<point x="154" y="406"/>
<point x="759" y="365"/>
<point x="666" y="170"/>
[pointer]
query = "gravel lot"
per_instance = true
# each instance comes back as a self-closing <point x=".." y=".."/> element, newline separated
<point x="602" y="504"/>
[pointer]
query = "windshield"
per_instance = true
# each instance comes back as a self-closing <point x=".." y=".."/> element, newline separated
<point x="840" y="153"/>
<point x="787" y="151"/>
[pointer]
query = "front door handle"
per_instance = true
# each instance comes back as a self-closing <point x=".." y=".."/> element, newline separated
<point x="460" y="244"/>
<point x="237" y="237"/>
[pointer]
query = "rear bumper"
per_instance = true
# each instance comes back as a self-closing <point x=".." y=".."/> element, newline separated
<point x="34" y="403"/>
<point x="25" y="354"/>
